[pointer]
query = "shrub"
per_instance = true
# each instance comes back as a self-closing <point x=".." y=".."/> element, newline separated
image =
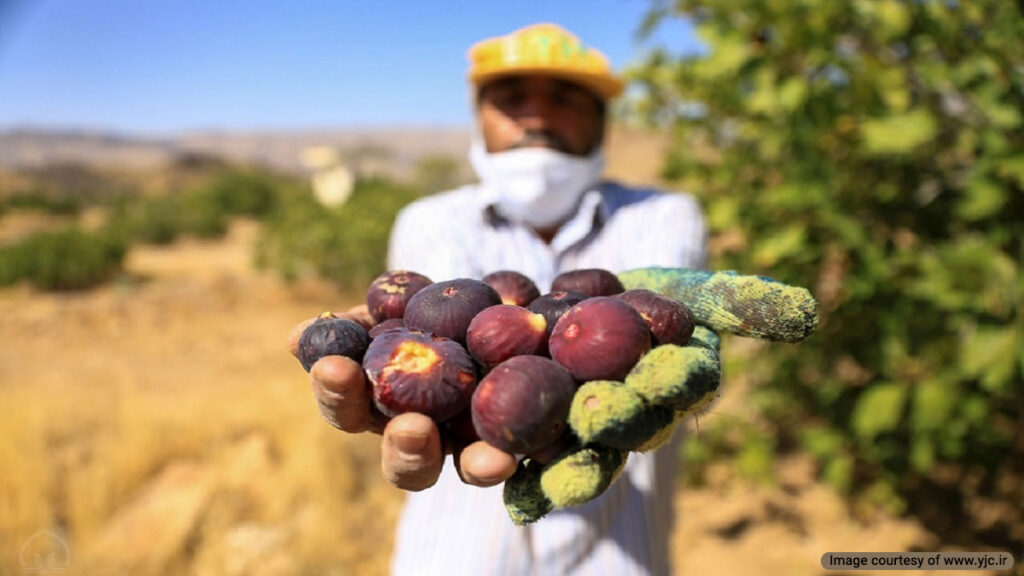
<point x="65" y="259"/>
<point x="244" y="193"/>
<point x="43" y="202"/>
<point x="154" y="220"/>
<point x="203" y="211"/>
<point x="346" y="244"/>
<point x="871" y="152"/>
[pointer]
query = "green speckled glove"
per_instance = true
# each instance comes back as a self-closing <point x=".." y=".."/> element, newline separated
<point x="610" y="419"/>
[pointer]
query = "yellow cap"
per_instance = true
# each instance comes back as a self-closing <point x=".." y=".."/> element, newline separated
<point x="543" y="49"/>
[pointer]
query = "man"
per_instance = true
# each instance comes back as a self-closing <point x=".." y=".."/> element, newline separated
<point x="540" y="208"/>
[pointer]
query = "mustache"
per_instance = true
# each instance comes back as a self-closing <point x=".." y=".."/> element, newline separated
<point x="542" y="138"/>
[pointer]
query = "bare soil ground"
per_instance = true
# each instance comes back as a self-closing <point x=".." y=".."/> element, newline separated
<point x="158" y="426"/>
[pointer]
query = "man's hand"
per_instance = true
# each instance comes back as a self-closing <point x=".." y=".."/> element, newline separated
<point x="412" y="451"/>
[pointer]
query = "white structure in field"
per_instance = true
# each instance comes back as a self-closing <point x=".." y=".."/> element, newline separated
<point x="332" y="180"/>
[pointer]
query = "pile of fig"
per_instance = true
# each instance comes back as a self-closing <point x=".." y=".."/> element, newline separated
<point x="494" y="359"/>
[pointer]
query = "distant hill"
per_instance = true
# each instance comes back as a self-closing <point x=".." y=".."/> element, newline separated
<point x="633" y="155"/>
<point x="23" y="148"/>
<point x="396" y="148"/>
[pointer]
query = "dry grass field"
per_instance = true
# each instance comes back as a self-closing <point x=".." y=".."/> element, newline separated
<point x="158" y="426"/>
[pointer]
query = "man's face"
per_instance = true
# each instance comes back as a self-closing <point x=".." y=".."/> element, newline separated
<point x="521" y="111"/>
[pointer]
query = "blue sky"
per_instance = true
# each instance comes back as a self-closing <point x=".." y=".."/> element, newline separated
<point x="152" y="66"/>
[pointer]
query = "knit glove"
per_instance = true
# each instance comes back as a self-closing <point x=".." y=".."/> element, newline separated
<point x="611" y="419"/>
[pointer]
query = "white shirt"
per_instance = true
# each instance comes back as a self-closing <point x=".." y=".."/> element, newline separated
<point x="454" y="529"/>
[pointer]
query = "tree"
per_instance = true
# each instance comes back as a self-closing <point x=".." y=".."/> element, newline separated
<point x="873" y="151"/>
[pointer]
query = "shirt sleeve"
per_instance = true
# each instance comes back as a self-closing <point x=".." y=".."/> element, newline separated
<point x="674" y="233"/>
<point x="685" y="216"/>
<point x="428" y="238"/>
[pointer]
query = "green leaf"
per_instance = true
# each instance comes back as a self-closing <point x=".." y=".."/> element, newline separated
<point x="982" y="199"/>
<point x="991" y="355"/>
<point x="756" y="459"/>
<point x="838" y="473"/>
<point x="922" y="453"/>
<point x="1012" y="168"/>
<point x="892" y="83"/>
<point x="821" y="442"/>
<point x="785" y="242"/>
<point x="792" y="93"/>
<point x="724" y="214"/>
<point x="893" y="16"/>
<point x="999" y="114"/>
<point x="883" y="493"/>
<point x="879" y="409"/>
<point x="966" y="274"/>
<point x="933" y="404"/>
<point x="730" y="52"/>
<point x="899" y="134"/>
<point x="795" y="196"/>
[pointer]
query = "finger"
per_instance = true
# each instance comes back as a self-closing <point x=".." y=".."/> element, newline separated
<point x="295" y="334"/>
<point x="481" y="464"/>
<point x="359" y="314"/>
<point x="339" y="386"/>
<point x="411" y="456"/>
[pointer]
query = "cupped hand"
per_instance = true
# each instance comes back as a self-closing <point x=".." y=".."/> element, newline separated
<point x="412" y="450"/>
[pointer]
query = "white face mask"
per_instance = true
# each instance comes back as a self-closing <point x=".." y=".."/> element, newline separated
<point x="539" y="187"/>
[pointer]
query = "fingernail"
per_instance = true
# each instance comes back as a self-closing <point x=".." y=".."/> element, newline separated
<point x="409" y="443"/>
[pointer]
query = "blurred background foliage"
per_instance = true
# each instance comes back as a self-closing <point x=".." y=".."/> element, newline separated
<point x="872" y="151"/>
<point x="346" y="244"/>
<point x="67" y="258"/>
<point x="73" y="256"/>
<point x="299" y="237"/>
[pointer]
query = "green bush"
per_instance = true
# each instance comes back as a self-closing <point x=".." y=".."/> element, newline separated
<point x="43" y="202"/>
<point x="871" y="151"/>
<point x="71" y="258"/>
<point x="346" y="244"/>
<point x="244" y="193"/>
<point x="65" y="259"/>
<point x="203" y="211"/>
<point x="203" y="214"/>
<point x="155" y="220"/>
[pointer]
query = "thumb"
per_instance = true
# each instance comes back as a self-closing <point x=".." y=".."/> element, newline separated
<point x="411" y="456"/>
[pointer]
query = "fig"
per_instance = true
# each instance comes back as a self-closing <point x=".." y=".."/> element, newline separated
<point x="413" y="371"/>
<point x="390" y="292"/>
<point x="386" y="325"/>
<point x="522" y="405"/>
<point x="461" y="428"/>
<point x="446" y="308"/>
<point x="670" y="321"/>
<point x="500" y="332"/>
<point x="553" y="304"/>
<point x="590" y="281"/>
<point x="600" y="338"/>
<point x="514" y="287"/>
<point x="330" y="335"/>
